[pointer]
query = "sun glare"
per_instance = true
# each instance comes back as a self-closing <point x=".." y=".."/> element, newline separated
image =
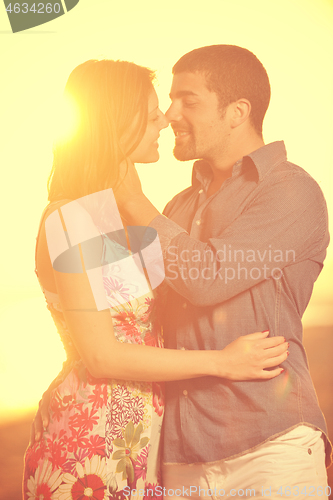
<point x="66" y="119"/>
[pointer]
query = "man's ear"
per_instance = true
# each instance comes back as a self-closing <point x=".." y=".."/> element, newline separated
<point x="240" y="112"/>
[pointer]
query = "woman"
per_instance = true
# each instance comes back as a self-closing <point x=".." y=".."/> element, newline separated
<point x="106" y="407"/>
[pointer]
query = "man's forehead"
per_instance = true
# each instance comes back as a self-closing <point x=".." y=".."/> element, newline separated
<point x="188" y="83"/>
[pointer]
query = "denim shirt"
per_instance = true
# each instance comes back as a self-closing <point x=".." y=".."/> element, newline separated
<point x="242" y="260"/>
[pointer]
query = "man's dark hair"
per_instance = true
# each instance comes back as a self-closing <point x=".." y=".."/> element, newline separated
<point x="232" y="73"/>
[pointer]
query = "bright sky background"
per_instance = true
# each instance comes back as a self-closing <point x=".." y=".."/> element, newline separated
<point x="292" y="38"/>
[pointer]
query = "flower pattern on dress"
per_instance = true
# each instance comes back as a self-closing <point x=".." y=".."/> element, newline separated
<point x="129" y="450"/>
<point x="158" y="398"/>
<point x="121" y="397"/>
<point x="151" y="493"/>
<point x="136" y="410"/>
<point x="114" y="289"/>
<point x="89" y="481"/>
<point x="98" y="398"/>
<point x="140" y="467"/>
<point x="124" y="408"/>
<point x="57" y="449"/>
<point x="44" y="483"/>
<point x="80" y="456"/>
<point x="34" y="454"/>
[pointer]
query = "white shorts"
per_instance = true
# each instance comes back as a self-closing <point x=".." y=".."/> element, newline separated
<point x="291" y="466"/>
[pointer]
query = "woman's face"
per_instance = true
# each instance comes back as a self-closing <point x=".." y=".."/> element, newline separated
<point x="147" y="150"/>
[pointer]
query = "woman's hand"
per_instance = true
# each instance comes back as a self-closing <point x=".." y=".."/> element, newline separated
<point x="247" y="357"/>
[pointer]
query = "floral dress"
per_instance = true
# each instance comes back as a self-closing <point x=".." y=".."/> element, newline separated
<point x="103" y="438"/>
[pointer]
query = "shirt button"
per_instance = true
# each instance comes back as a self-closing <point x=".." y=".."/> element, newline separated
<point x="309" y="451"/>
<point x="201" y="191"/>
<point x="184" y="306"/>
<point x="185" y="392"/>
<point x="198" y="222"/>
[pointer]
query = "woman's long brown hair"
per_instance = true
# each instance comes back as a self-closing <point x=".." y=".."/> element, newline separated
<point x="112" y="102"/>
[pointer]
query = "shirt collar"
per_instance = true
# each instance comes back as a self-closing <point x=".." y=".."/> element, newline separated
<point x="264" y="159"/>
<point x="202" y="173"/>
<point x="267" y="157"/>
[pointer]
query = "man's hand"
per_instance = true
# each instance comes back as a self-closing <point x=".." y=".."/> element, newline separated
<point x="41" y="420"/>
<point x="129" y="184"/>
<point x="133" y="205"/>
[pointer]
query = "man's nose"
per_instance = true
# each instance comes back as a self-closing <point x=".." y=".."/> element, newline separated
<point x="173" y="114"/>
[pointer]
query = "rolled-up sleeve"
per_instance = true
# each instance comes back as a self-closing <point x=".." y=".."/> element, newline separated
<point x="167" y="230"/>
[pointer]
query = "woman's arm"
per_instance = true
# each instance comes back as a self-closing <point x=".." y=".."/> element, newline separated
<point x="92" y="332"/>
<point x="244" y="359"/>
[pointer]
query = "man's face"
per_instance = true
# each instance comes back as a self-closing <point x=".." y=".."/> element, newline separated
<point x="200" y="127"/>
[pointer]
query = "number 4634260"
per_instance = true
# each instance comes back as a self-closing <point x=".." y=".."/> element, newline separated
<point x="40" y="9"/>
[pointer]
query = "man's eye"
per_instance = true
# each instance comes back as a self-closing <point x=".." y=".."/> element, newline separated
<point x="189" y="104"/>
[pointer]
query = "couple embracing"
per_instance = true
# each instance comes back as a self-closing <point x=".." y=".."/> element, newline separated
<point x="242" y="248"/>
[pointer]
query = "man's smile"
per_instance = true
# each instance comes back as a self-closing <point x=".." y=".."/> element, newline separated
<point x="180" y="134"/>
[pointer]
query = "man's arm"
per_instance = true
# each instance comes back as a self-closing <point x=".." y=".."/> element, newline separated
<point x="281" y="227"/>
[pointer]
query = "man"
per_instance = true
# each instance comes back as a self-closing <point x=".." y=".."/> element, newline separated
<point x="242" y="249"/>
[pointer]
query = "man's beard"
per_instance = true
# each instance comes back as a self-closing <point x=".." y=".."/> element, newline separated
<point x="184" y="152"/>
